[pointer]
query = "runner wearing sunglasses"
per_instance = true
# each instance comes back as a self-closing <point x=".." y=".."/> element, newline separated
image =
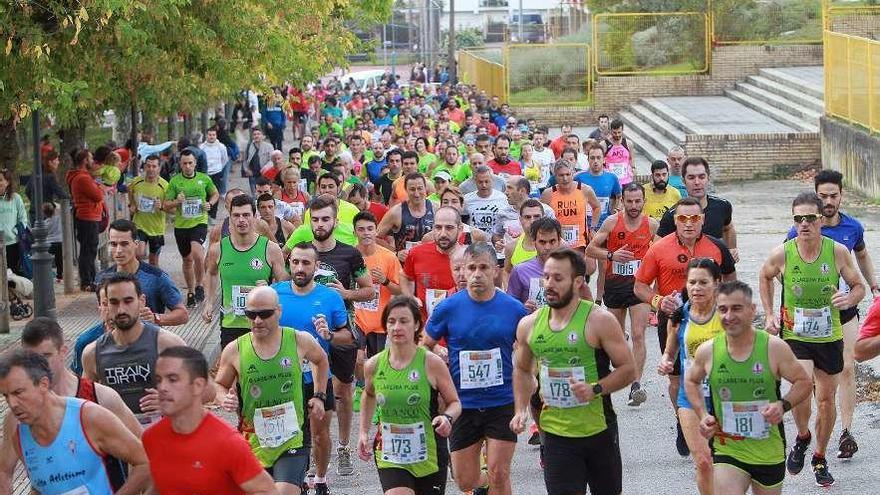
<point x="272" y="403"/>
<point x="813" y="268"/>
<point x="666" y="264"/>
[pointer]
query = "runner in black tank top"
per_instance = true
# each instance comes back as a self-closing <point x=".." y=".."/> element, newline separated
<point x="412" y="228"/>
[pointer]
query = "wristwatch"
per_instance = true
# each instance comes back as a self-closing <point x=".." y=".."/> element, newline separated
<point x="448" y="417"/>
<point x="597" y="389"/>
<point x="322" y="397"/>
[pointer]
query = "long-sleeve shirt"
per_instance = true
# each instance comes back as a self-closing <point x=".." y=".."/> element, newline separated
<point x="12" y="212"/>
<point x="88" y="198"/>
<point x="217" y="156"/>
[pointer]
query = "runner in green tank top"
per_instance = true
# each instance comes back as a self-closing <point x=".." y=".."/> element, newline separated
<point x="241" y="261"/>
<point x="269" y="398"/>
<point x="744" y="367"/>
<point x="813" y="269"/>
<point x="406" y="382"/>
<point x="523" y="249"/>
<point x="574" y="344"/>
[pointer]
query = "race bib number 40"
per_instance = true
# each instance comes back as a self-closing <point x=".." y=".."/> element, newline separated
<point x="191" y="208"/>
<point x="556" y="388"/>
<point x="404" y="444"/>
<point x="627" y="269"/>
<point x="480" y="369"/>
<point x="744" y="419"/>
<point x="275" y="425"/>
<point x="813" y="323"/>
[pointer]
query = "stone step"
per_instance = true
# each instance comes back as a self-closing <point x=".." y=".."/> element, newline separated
<point x="642" y="144"/>
<point x="791" y="81"/>
<point x="648" y="132"/>
<point x="780" y="102"/>
<point x="671" y="117"/>
<point x="776" y="114"/>
<point x="793" y="94"/>
<point x="661" y="125"/>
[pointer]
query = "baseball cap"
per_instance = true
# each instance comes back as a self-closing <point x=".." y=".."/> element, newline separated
<point x="443" y="175"/>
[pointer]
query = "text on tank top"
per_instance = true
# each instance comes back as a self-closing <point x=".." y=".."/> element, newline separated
<point x="638" y="241"/>
<point x="128" y="369"/>
<point x="571" y="211"/>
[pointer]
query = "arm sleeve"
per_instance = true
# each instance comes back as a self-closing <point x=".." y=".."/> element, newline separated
<point x="871" y="327"/>
<point x="667" y="224"/>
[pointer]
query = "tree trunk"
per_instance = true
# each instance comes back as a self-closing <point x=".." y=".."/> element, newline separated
<point x="133" y="140"/>
<point x="9" y="151"/>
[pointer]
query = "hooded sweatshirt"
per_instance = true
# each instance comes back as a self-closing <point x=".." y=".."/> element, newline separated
<point x="87" y="196"/>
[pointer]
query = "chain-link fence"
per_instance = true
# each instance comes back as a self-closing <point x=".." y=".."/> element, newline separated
<point x="548" y="74"/>
<point x="853" y="93"/>
<point x="767" y="22"/>
<point x="857" y="18"/>
<point x="654" y="43"/>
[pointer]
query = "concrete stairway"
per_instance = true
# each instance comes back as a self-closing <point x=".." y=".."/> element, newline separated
<point x="783" y="96"/>
<point x="651" y="129"/>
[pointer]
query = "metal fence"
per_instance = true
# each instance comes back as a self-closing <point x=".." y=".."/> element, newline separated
<point x="475" y="68"/>
<point x="853" y="93"/>
<point x="651" y="43"/>
<point x="766" y="22"/>
<point x="556" y="74"/>
<point x="859" y="18"/>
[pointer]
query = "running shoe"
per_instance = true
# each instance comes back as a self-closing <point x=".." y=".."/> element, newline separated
<point x="534" y="436"/>
<point x="637" y="395"/>
<point x="820" y="469"/>
<point x="795" y="461"/>
<point x="190" y="300"/>
<point x="200" y="293"/>
<point x="322" y="489"/>
<point x="680" y="443"/>
<point x="848" y="445"/>
<point x="344" y="467"/>
<point x="356" y="404"/>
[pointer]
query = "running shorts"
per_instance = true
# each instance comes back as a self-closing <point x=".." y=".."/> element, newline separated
<point x="573" y="464"/>
<point x="476" y="424"/>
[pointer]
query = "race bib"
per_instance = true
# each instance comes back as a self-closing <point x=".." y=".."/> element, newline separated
<point x="275" y="425"/>
<point x="555" y="388"/>
<point x="191" y="208"/>
<point x="305" y="366"/>
<point x="619" y="169"/>
<point x="433" y="297"/>
<point x="298" y="208"/>
<point x="371" y="305"/>
<point x="744" y="419"/>
<point x="625" y="269"/>
<point x="813" y="323"/>
<point x="148" y="205"/>
<point x="304" y="185"/>
<point x="239" y="297"/>
<point x="603" y="206"/>
<point x="410" y="244"/>
<point x="570" y="234"/>
<point x="404" y="444"/>
<point x="536" y="291"/>
<point x="480" y="369"/>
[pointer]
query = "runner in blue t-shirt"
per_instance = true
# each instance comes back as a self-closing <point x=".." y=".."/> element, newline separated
<point x="479" y="326"/>
<point x="605" y="184"/>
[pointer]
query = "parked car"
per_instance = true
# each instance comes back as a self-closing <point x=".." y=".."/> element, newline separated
<point x="532" y="28"/>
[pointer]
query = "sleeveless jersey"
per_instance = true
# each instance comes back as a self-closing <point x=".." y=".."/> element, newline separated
<point x="521" y="254"/>
<point x="617" y="161"/>
<point x="691" y="334"/>
<point x="149" y="215"/>
<point x="407" y="404"/>
<point x="638" y="241"/>
<point x="571" y="211"/>
<point x="412" y="229"/>
<point x="566" y="354"/>
<point x="239" y="273"/>
<point x="67" y="465"/>
<point x="272" y="409"/>
<point x="117" y="470"/>
<point x="279" y="233"/>
<point x="807" y="313"/>
<point x="128" y="369"/>
<point x="739" y="391"/>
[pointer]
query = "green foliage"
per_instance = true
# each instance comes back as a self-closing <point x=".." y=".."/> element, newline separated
<point x="547" y="73"/>
<point x="464" y="38"/>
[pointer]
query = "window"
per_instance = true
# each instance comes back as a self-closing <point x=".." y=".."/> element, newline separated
<point x="493" y="3"/>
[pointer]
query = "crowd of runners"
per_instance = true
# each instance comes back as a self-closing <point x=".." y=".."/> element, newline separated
<point x="423" y="258"/>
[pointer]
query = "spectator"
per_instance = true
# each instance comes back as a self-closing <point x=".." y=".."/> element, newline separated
<point x="12" y="217"/>
<point x="90" y="214"/>
<point x="52" y="191"/>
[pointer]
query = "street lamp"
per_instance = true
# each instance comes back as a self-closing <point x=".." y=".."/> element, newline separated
<point x="44" y="290"/>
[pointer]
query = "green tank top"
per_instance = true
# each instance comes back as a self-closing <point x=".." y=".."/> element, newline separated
<point x="521" y="254"/>
<point x="271" y="393"/>
<point x="739" y="391"/>
<point x="564" y="354"/>
<point x="149" y="215"/>
<point x="407" y="404"/>
<point x="806" y="295"/>
<point x="239" y="273"/>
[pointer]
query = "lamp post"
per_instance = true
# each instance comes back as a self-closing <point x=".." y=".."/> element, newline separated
<point x="44" y="290"/>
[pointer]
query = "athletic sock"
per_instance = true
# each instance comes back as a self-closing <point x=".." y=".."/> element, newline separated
<point x="321" y="479"/>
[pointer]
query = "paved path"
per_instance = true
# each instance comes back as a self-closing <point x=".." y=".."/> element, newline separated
<point x="651" y="465"/>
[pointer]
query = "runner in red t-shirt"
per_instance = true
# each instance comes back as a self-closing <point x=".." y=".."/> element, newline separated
<point x="868" y="345"/>
<point x="190" y="449"/>
<point x="502" y="163"/>
<point x="426" y="271"/>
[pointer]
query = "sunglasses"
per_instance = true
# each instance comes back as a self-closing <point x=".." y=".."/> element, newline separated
<point x="264" y="314"/>
<point x="810" y="218"/>
<point x="688" y="218"/>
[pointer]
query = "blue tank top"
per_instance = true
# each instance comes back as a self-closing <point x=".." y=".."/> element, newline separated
<point x="50" y="469"/>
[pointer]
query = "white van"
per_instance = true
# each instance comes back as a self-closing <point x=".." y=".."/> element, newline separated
<point x="364" y="79"/>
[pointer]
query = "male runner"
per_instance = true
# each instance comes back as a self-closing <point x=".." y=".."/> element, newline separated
<point x="574" y="344"/>
<point x="408" y="221"/>
<point x="241" y="261"/>
<point x="849" y="232"/>
<point x="164" y="305"/>
<point x="384" y="269"/>
<point x="191" y="450"/>
<point x="621" y="244"/>
<point x="145" y="195"/>
<point x="222" y="230"/>
<point x="62" y="441"/>
<point x="526" y="282"/>
<point x="265" y="366"/>
<point x="426" y="274"/>
<point x="542" y="154"/>
<point x="666" y="263"/>
<point x="125" y="357"/>
<point x="306" y="305"/>
<point x="811" y="266"/>
<point x="742" y="368"/>
<point x="717" y="212"/>
<point x="479" y="326"/>
<point x="280" y="228"/>
<point x="190" y="195"/>
<point x="660" y="196"/>
<point x="868" y="345"/>
<point x="522" y="249"/>
<point x="605" y="184"/>
<point x="483" y="205"/>
<point x="674" y="158"/>
<point x="619" y="157"/>
<point x="570" y="201"/>
<point x="501" y="163"/>
<point x="508" y="232"/>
